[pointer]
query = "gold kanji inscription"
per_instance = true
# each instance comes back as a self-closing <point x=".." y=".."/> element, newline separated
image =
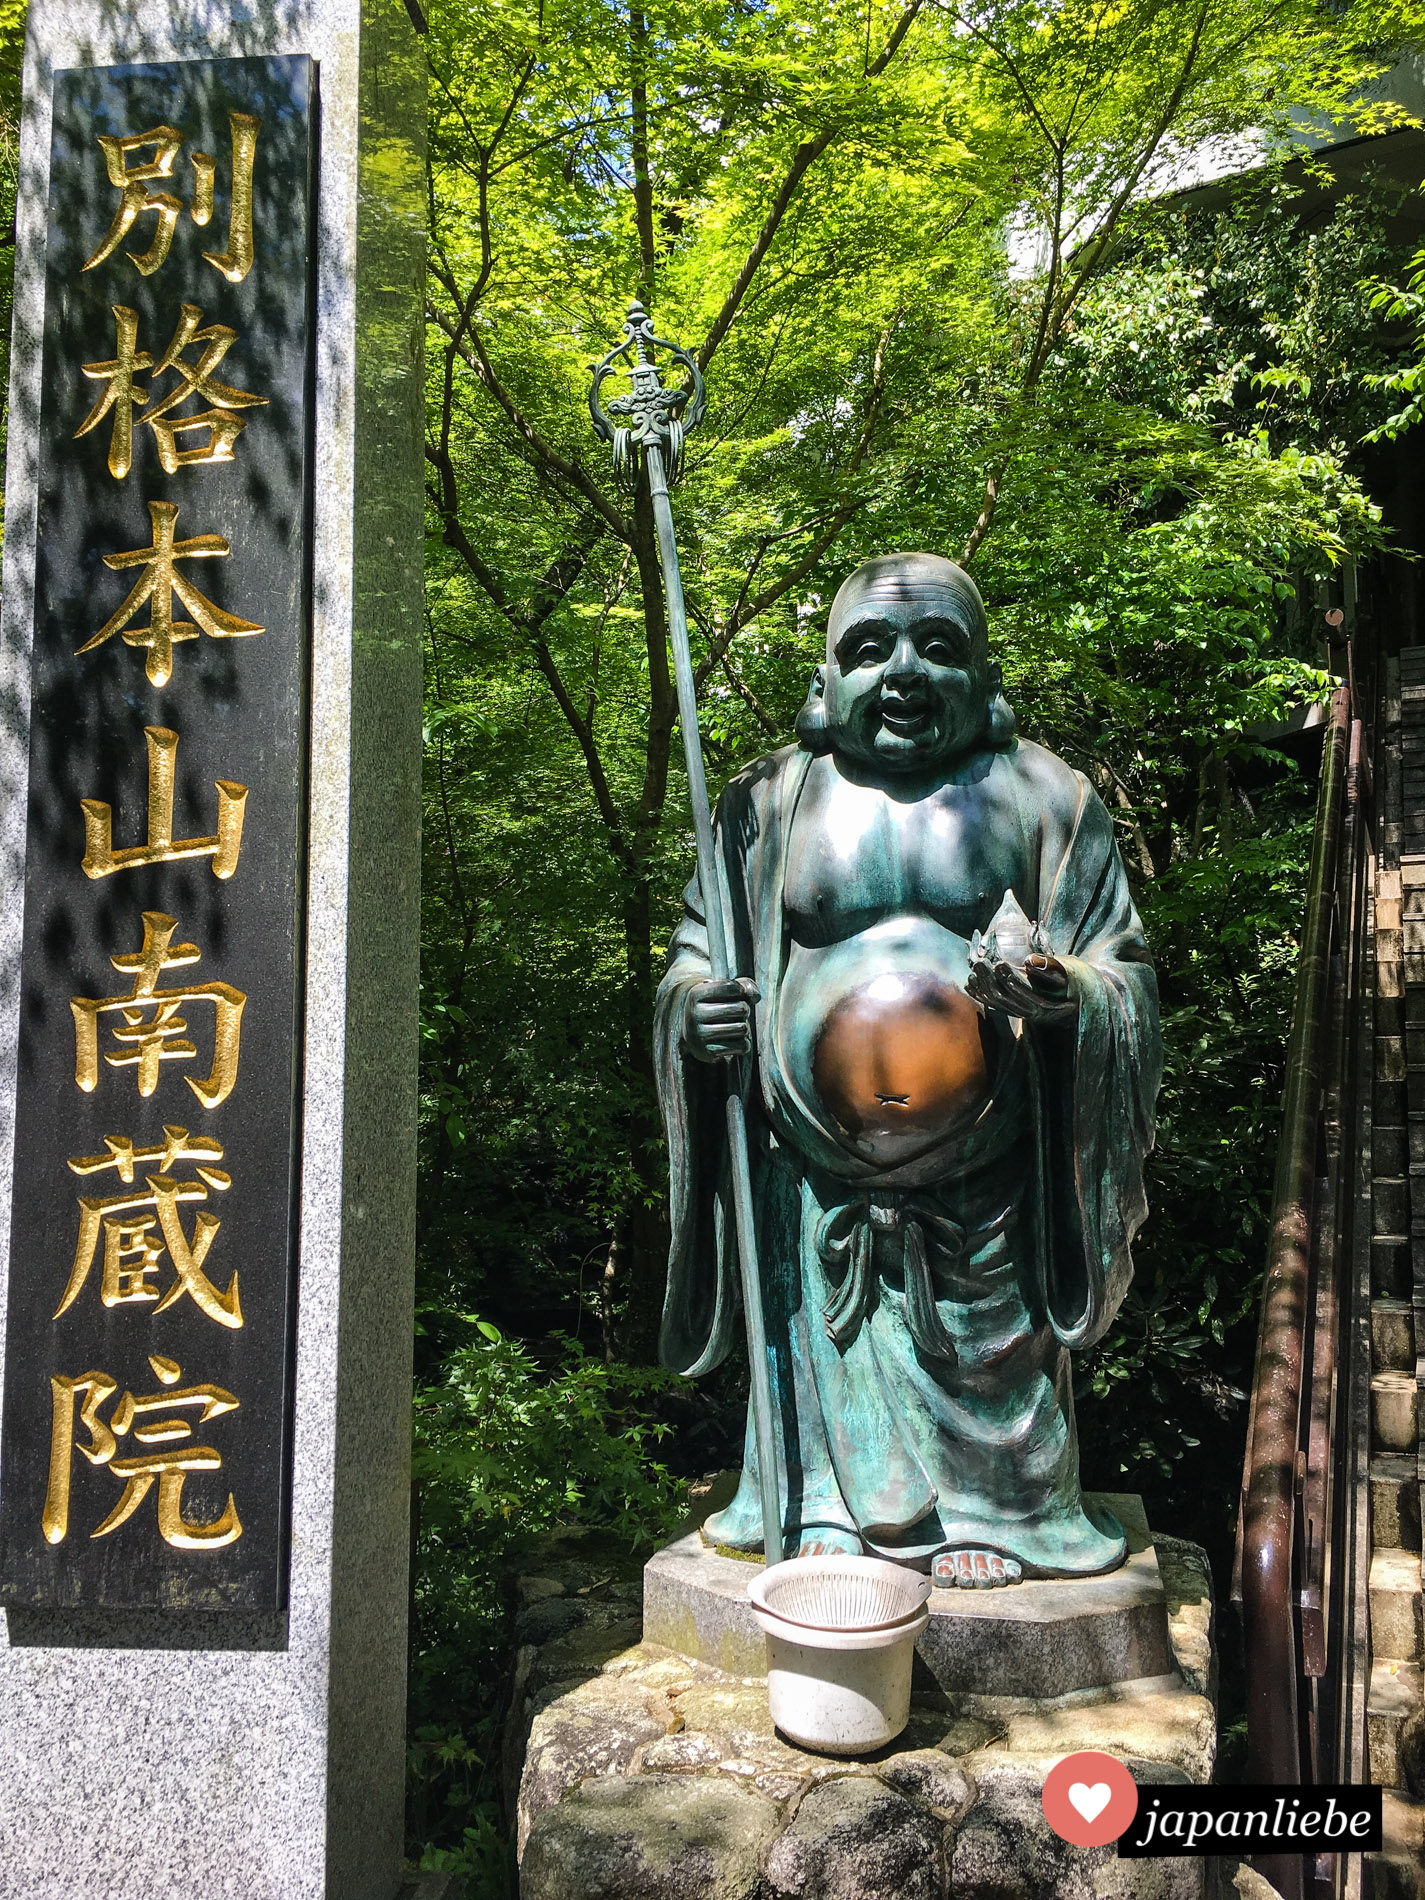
<point x="205" y="173"/>
<point x="236" y="261"/>
<point x="157" y="590"/>
<point x="133" y="181"/>
<point x="168" y="1469"/>
<point x="123" y="396"/>
<point x="133" y="1249"/>
<point x="121" y="393"/>
<point x="97" y="1388"/>
<point x="197" y="379"/>
<point x="102" y="860"/>
<point x="150" y="1030"/>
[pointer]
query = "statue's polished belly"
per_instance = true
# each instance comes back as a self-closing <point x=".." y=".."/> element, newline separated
<point x="879" y="1040"/>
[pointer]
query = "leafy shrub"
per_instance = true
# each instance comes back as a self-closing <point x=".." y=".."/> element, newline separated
<point x="506" y="1452"/>
<point x="1162" y="1398"/>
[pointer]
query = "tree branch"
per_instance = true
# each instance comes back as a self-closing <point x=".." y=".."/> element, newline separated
<point x="557" y="581"/>
<point x="473" y="354"/>
<point x="803" y="159"/>
<point x="749" y="699"/>
<point x="1062" y="289"/>
<point x="746" y="611"/>
<point x="985" y="518"/>
<point x="805" y="156"/>
<point x="1108" y="777"/>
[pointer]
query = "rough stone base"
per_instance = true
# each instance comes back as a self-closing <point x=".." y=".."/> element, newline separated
<point x="664" y="1780"/>
<point x="651" y="1776"/>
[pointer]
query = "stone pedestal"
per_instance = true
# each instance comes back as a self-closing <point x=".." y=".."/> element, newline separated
<point x="197" y="1748"/>
<point x="1033" y="1639"/>
<point x="652" y="1774"/>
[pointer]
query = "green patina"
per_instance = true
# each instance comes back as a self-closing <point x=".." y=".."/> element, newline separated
<point x="956" y="1059"/>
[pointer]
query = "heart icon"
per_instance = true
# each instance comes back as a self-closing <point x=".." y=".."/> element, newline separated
<point x="1089" y="1798"/>
<point x="1090" y="1802"/>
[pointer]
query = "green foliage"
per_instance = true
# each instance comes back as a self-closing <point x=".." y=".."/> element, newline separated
<point x="920" y="253"/>
<point x="1249" y="319"/>
<point x="1170" y="1376"/>
<point x="505" y="1452"/>
<point x="1403" y="304"/>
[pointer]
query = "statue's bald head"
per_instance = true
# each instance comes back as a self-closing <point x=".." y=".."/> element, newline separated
<point x="927" y="581"/>
<point x="908" y="683"/>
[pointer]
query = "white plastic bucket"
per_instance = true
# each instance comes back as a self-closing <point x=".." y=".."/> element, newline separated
<point x="840" y="1643"/>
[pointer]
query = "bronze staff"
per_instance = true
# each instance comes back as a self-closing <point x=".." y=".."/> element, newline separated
<point x="652" y="439"/>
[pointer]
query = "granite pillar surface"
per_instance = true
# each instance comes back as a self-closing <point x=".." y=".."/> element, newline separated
<point x="216" y="1753"/>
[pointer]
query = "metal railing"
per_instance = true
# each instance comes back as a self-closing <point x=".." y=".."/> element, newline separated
<point x="1294" y="1601"/>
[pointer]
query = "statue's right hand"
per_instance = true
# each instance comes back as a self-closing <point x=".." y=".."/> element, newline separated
<point x="717" y="1019"/>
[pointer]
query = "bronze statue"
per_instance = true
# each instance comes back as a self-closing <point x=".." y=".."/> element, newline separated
<point x="952" y="1015"/>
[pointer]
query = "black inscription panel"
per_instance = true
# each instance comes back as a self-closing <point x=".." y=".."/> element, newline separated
<point x="146" y="1402"/>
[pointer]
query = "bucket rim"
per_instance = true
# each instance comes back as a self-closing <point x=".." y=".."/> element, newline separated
<point x="814" y="1636"/>
<point x="918" y="1592"/>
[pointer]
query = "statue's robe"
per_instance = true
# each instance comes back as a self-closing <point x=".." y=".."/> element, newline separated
<point x="919" y="1313"/>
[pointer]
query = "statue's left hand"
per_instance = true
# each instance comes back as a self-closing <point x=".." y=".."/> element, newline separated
<point x="1038" y="990"/>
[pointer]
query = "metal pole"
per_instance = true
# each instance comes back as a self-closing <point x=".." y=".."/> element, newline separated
<point x="658" y="426"/>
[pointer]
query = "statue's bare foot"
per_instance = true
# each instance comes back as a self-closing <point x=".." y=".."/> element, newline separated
<point x="974" y="1570"/>
<point x="823" y="1540"/>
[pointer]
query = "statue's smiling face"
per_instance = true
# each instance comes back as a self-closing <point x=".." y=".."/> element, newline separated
<point x="905" y="679"/>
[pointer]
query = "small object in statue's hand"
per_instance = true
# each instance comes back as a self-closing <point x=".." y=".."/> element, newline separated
<point x="1010" y="937"/>
<point x="1013" y="971"/>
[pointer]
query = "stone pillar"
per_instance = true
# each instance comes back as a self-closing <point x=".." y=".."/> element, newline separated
<point x="230" y="1732"/>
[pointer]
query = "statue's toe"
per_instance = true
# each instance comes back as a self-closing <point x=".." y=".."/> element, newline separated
<point x="973" y="1569"/>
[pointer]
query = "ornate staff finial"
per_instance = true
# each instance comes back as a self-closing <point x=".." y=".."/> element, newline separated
<point x="658" y="417"/>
